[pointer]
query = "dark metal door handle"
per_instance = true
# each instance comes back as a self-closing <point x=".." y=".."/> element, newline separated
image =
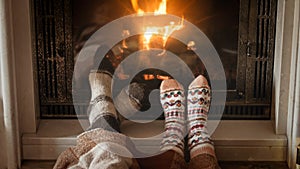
<point x="248" y="53"/>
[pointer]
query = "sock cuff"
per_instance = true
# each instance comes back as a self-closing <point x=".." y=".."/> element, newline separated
<point x="205" y="148"/>
<point x="177" y="149"/>
<point x="106" y="122"/>
<point x="102" y="108"/>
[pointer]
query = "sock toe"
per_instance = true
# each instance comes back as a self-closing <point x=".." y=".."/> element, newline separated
<point x="170" y="84"/>
<point x="200" y="81"/>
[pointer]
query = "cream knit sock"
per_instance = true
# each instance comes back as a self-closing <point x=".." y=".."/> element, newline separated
<point x="101" y="112"/>
<point x="198" y="101"/>
<point x="172" y="100"/>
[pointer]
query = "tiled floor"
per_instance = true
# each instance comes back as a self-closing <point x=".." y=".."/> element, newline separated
<point x="224" y="165"/>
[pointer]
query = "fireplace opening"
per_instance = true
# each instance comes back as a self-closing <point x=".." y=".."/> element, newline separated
<point x="242" y="31"/>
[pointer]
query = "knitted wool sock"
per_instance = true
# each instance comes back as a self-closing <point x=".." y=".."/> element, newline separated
<point x="199" y="141"/>
<point x="101" y="112"/>
<point x="130" y="99"/>
<point x="172" y="100"/>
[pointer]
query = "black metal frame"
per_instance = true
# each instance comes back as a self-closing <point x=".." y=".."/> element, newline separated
<point x="256" y="56"/>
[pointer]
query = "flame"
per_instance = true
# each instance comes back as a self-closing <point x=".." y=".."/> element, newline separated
<point x="135" y="6"/>
<point x="163" y="31"/>
<point x="162" y="9"/>
<point x="152" y="77"/>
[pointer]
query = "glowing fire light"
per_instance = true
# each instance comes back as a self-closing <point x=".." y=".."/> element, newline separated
<point x="152" y="77"/>
<point x="162" y="9"/>
<point x="164" y="31"/>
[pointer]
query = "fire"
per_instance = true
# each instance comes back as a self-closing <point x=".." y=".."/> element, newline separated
<point x="135" y="6"/>
<point x="152" y="77"/>
<point x="162" y="9"/>
<point x="163" y="31"/>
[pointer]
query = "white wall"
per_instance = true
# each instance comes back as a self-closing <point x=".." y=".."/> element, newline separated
<point x="293" y="101"/>
<point x="3" y="160"/>
<point x="23" y="45"/>
<point x="9" y="123"/>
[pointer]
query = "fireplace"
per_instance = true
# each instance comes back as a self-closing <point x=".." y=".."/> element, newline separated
<point x="242" y="31"/>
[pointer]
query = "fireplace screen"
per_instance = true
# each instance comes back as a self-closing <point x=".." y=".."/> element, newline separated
<point x="242" y="31"/>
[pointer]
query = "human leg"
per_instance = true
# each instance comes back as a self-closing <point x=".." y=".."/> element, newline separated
<point x="102" y="145"/>
<point x="101" y="111"/>
<point x="202" y="153"/>
<point x="172" y="147"/>
<point x="172" y="98"/>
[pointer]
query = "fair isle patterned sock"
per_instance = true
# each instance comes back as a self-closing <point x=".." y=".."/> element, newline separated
<point x="198" y="101"/>
<point x="172" y="100"/>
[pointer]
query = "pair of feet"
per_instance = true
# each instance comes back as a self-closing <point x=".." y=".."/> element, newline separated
<point x="178" y="124"/>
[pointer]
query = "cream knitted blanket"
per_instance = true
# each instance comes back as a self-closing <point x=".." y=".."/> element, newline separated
<point x="95" y="150"/>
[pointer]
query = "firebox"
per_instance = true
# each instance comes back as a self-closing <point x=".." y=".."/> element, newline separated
<point x="242" y="32"/>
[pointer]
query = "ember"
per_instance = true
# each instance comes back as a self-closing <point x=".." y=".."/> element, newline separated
<point x="152" y="77"/>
